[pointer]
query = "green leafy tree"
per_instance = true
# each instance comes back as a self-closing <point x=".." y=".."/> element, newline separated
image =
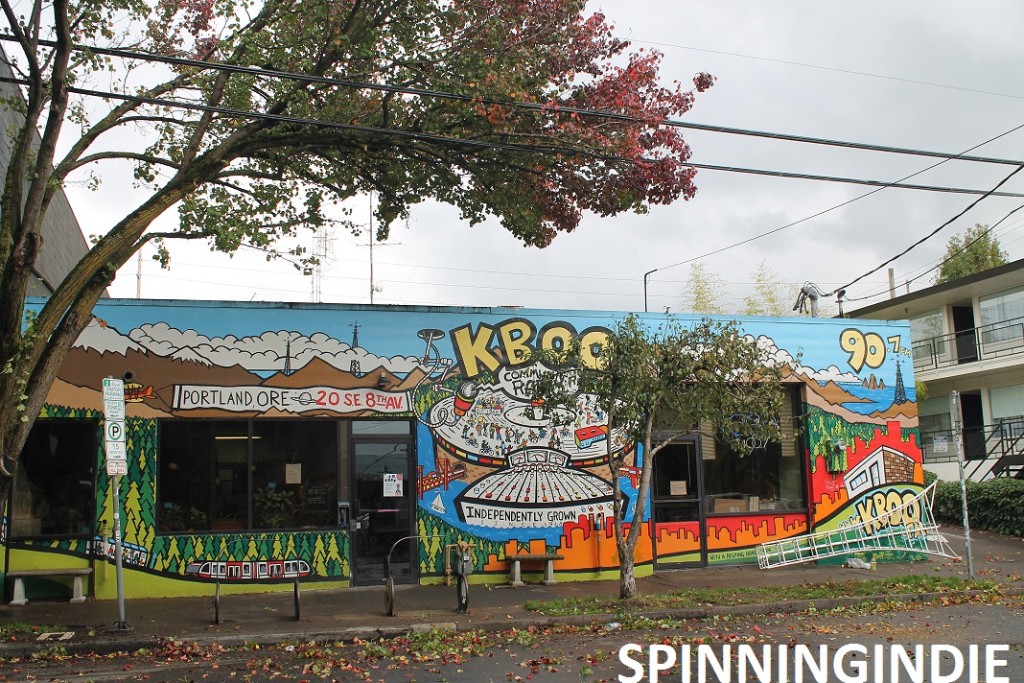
<point x="657" y="385"/>
<point x="973" y="252"/>
<point x="704" y="292"/>
<point x="771" y="296"/>
<point x="255" y="119"/>
<point x="707" y="293"/>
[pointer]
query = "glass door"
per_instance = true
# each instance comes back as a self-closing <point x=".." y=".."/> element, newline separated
<point x="383" y="511"/>
<point x="676" y="507"/>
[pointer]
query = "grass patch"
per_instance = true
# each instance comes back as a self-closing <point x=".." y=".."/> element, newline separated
<point x="14" y="629"/>
<point x="715" y="597"/>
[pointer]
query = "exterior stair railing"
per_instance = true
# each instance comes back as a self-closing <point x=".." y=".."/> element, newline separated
<point x="995" y="450"/>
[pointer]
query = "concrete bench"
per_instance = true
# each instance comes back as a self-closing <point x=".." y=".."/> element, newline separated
<point x="19" y="576"/>
<point x="549" y="567"/>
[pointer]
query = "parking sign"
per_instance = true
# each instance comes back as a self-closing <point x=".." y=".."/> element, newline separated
<point x="114" y="437"/>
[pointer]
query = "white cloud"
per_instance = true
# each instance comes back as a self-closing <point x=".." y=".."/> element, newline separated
<point x="265" y="352"/>
<point x="784" y="357"/>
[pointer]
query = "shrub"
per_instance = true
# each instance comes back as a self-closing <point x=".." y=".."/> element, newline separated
<point x="995" y="505"/>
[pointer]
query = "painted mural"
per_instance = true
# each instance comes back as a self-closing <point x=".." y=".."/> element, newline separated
<point x="490" y="467"/>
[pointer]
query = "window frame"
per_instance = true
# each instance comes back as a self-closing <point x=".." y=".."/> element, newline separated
<point x="249" y="427"/>
<point x="91" y="456"/>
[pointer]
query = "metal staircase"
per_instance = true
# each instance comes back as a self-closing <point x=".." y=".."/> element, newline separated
<point x="1003" y="453"/>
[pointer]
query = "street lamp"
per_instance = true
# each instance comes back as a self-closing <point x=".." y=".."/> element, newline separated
<point x="647" y="277"/>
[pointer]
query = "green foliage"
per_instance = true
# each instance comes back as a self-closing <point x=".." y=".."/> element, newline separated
<point x="177" y="518"/>
<point x="826" y="430"/>
<point x="704" y="292"/>
<point x="656" y="385"/>
<point x="273" y="509"/>
<point x="707" y="293"/>
<point x="771" y="296"/>
<point x="672" y="378"/>
<point x="973" y="252"/>
<point x="995" y="505"/>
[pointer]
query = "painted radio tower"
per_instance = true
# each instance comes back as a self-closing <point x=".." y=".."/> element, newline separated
<point x="354" y="365"/>
<point x="288" y="358"/>
<point x="901" y="392"/>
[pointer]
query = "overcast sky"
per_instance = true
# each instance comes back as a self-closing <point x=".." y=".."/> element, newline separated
<point x="939" y="76"/>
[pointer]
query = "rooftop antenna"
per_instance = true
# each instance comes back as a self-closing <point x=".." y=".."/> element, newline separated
<point x="373" y="286"/>
<point x="323" y="248"/>
<point x="807" y="300"/>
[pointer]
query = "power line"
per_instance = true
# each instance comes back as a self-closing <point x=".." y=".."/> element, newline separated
<point x="851" y="72"/>
<point x="933" y="232"/>
<point x="548" y="107"/>
<point x="543" y="149"/>
<point x="963" y="249"/>
<point x="853" y="181"/>
<point x="831" y="208"/>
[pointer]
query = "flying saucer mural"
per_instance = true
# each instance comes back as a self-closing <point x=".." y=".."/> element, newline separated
<point x="537" y="489"/>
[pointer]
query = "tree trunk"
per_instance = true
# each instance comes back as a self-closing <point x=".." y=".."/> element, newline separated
<point x="627" y="577"/>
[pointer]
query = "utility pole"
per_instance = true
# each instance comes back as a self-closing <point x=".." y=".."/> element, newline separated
<point x="962" y="465"/>
<point x="647" y="277"/>
<point x="138" y="276"/>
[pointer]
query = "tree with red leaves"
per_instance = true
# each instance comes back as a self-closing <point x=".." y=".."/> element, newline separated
<point x="254" y="119"/>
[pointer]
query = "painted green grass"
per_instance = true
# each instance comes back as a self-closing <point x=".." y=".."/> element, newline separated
<point x="717" y="597"/>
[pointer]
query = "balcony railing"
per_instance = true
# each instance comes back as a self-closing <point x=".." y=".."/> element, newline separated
<point x="992" y="450"/>
<point x="995" y="340"/>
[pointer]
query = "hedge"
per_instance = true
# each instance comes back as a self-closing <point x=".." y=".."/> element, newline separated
<point x="995" y="505"/>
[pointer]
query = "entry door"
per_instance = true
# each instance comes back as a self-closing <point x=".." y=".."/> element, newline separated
<point x="676" y="507"/>
<point x="383" y="511"/>
<point x="966" y="334"/>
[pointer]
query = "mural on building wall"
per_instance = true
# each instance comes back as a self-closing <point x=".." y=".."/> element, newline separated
<point x="491" y="466"/>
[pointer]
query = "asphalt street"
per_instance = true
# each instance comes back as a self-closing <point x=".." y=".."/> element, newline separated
<point x="592" y="653"/>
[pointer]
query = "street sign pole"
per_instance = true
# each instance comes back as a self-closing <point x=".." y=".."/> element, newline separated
<point x="962" y="465"/>
<point x="117" y="465"/>
<point x="121" y="624"/>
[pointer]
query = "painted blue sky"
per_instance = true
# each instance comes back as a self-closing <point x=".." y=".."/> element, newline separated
<point x="393" y="332"/>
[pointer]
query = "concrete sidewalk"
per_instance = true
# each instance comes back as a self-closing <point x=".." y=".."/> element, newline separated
<point x="342" y="613"/>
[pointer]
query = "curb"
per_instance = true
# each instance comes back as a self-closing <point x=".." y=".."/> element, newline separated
<point x="110" y="645"/>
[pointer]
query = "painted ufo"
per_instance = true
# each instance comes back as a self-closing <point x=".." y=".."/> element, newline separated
<point x="538" y="488"/>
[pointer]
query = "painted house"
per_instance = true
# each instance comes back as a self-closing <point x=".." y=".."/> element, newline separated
<point x="272" y="441"/>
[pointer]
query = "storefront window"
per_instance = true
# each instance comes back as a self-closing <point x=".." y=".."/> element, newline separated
<point x="235" y="474"/>
<point x="54" y="488"/>
<point x="294" y="474"/>
<point x="768" y="478"/>
<point x="761" y="480"/>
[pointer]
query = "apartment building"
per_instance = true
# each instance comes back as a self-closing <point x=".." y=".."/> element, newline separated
<point x="968" y="339"/>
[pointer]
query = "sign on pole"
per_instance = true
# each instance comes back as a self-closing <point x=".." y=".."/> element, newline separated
<point x="114" y="437"/>
<point x="117" y="466"/>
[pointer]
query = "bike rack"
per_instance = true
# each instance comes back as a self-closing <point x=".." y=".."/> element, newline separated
<point x="463" y="567"/>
